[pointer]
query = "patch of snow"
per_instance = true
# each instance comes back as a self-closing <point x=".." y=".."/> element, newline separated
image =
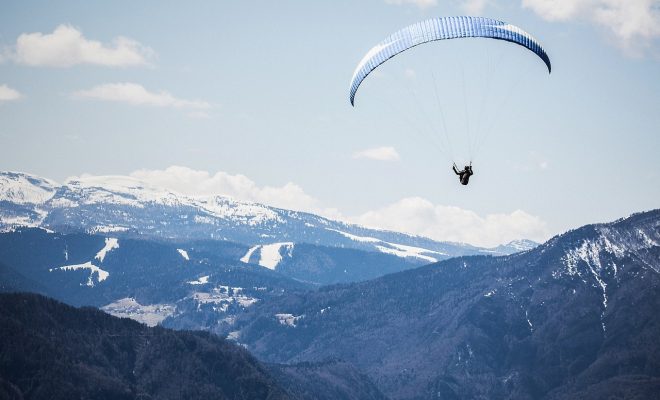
<point x="245" y="301"/>
<point x="246" y="257"/>
<point x="201" y="281"/>
<point x="647" y="239"/>
<point x="612" y="248"/>
<point x="288" y="319"/>
<point x="221" y="303"/>
<point x="222" y="297"/>
<point x="101" y="275"/>
<point x="150" y="315"/>
<point x="200" y="219"/>
<point x="251" y="214"/>
<point x="62" y="202"/>
<point x="362" y="239"/>
<point x="407" y="251"/>
<point x="18" y="221"/>
<point x="398" y="250"/>
<point x="271" y="254"/>
<point x="110" y="244"/>
<point x="589" y="252"/>
<point x="107" y="229"/>
<point x="184" y="254"/>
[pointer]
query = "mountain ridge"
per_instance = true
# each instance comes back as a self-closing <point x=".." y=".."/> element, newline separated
<point x="127" y="206"/>
<point x="576" y="315"/>
<point x="54" y="351"/>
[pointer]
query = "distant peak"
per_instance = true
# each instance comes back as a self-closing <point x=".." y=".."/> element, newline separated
<point x="23" y="188"/>
<point x="116" y="182"/>
<point x="522" y="244"/>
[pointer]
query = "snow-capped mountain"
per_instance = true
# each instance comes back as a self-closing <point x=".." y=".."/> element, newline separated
<point x="128" y="207"/>
<point x="24" y="189"/>
<point x="576" y="317"/>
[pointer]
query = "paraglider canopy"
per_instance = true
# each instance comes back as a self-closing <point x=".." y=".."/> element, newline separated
<point x="441" y="29"/>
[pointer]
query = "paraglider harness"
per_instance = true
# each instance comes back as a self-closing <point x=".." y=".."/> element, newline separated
<point x="465" y="174"/>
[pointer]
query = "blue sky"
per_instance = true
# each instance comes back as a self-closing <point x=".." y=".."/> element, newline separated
<point x="250" y="99"/>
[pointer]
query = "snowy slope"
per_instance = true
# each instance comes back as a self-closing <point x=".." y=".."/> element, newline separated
<point x="25" y="189"/>
<point x="110" y="244"/>
<point x="270" y="255"/>
<point x="96" y="274"/>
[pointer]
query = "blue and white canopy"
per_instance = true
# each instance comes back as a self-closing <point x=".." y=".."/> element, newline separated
<point x="441" y="29"/>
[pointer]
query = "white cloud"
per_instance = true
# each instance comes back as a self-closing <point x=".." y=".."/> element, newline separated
<point x="634" y="24"/>
<point x="419" y="216"/>
<point x="195" y="182"/>
<point x="135" y="94"/>
<point x="8" y="94"/>
<point x="418" y="3"/>
<point x="385" y="153"/>
<point x="67" y="46"/>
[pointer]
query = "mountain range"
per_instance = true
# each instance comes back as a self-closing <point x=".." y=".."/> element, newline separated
<point x="330" y="310"/>
<point x="127" y="207"/>
<point x="576" y="317"/>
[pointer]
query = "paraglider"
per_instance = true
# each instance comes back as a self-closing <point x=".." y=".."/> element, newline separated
<point x="464" y="175"/>
<point x="438" y="29"/>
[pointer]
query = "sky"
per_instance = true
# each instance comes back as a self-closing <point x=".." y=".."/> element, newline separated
<point x="250" y="99"/>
